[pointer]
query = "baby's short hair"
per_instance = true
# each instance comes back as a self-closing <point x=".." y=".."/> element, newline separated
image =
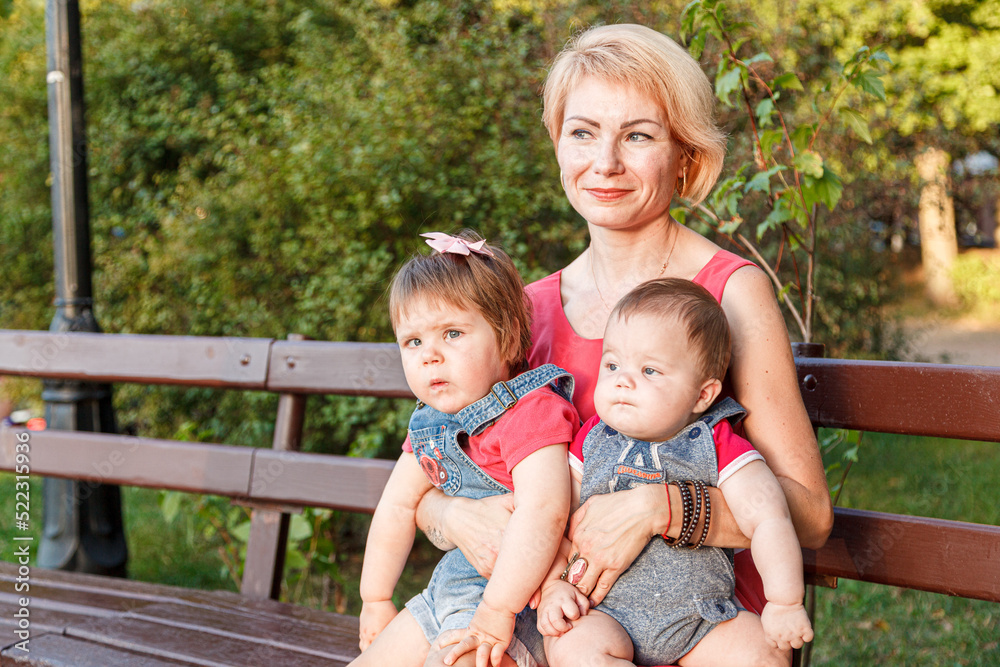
<point x="692" y="305"/>
<point x="490" y="285"/>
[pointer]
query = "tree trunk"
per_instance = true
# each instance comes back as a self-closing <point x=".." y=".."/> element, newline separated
<point x="938" y="245"/>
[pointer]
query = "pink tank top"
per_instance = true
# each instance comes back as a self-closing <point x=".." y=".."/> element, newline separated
<point x="554" y="340"/>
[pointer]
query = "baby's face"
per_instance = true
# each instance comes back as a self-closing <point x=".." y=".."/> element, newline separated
<point x="649" y="382"/>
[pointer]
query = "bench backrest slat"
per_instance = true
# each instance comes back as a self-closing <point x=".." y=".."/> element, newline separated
<point x="910" y="399"/>
<point x="950" y="557"/>
<point x="118" y="459"/>
<point x="321" y="367"/>
<point x="237" y="363"/>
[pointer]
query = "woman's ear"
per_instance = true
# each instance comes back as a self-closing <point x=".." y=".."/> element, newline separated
<point x="710" y="390"/>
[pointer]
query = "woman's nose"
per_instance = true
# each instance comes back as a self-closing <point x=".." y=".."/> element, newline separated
<point x="608" y="160"/>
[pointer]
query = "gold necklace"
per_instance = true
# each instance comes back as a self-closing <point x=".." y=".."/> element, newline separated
<point x="593" y="274"/>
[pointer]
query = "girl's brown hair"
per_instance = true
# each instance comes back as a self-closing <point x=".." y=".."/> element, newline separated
<point x="490" y="285"/>
<point x="695" y="308"/>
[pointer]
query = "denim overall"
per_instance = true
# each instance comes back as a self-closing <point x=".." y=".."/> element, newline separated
<point x="455" y="588"/>
<point x="668" y="599"/>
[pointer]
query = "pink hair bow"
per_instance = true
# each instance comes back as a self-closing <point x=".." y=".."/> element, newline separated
<point x="447" y="243"/>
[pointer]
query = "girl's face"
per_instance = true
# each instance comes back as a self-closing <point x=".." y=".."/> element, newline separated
<point x="618" y="158"/>
<point x="451" y="357"/>
<point x="650" y="386"/>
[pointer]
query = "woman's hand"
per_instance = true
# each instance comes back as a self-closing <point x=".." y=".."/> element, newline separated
<point x="474" y="526"/>
<point x="610" y="530"/>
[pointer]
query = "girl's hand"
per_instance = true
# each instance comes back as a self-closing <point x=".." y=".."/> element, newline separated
<point x="610" y="530"/>
<point x="374" y="617"/>
<point x="561" y="603"/>
<point x="476" y="527"/>
<point x="489" y="633"/>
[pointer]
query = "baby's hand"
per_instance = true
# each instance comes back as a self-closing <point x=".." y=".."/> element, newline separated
<point x="786" y="625"/>
<point x="561" y="603"/>
<point x="489" y="633"/>
<point x="374" y="617"/>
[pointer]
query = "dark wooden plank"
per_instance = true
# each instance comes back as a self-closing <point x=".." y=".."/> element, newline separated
<point x="196" y="647"/>
<point x="125" y="594"/>
<point x="44" y="615"/>
<point x="52" y="650"/>
<point x="195" y="360"/>
<point x="319" y="480"/>
<point x="333" y="640"/>
<point x="912" y="399"/>
<point x="323" y="367"/>
<point x="117" y="459"/>
<point x="949" y="557"/>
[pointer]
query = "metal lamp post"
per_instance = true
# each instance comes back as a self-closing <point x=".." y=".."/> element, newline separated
<point x="82" y="520"/>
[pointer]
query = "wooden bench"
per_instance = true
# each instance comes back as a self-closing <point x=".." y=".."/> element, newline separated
<point x="78" y="619"/>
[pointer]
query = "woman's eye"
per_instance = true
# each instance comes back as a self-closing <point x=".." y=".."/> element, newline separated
<point x="638" y="136"/>
<point x="580" y="134"/>
<point x="451" y="333"/>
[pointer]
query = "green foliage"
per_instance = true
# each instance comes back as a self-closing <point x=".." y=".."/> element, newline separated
<point x="771" y="207"/>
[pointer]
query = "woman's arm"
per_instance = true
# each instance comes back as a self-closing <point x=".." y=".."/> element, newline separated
<point x="762" y="374"/>
<point x="476" y="527"/>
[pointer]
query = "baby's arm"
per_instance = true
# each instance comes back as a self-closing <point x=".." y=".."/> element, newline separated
<point x="530" y="542"/>
<point x="758" y="505"/>
<point x="390" y="539"/>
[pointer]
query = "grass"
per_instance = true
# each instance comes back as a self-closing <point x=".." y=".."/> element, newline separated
<point x="857" y="624"/>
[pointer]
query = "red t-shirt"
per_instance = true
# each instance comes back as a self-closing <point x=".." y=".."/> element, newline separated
<point x="731" y="450"/>
<point x="541" y="418"/>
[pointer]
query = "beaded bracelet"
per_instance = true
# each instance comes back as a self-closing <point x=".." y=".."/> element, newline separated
<point x="703" y="490"/>
<point x="686" y="518"/>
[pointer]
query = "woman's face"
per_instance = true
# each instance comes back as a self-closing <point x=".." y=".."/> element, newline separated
<point x="618" y="158"/>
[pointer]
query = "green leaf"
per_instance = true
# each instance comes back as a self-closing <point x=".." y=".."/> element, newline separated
<point x="697" y="45"/>
<point x="856" y="121"/>
<point x="809" y="163"/>
<point x="294" y="560"/>
<point x="727" y="82"/>
<point x="768" y="139"/>
<point x="871" y="82"/>
<point x="731" y="226"/>
<point x="780" y="213"/>
<point x="299" y="528"/>
<point x="241" y="532"/>
<point x="170" y="505"/>
<point x="764" y="111"/>
<point x="760" y="58"/>
<point x="826" y="190"/>
<point x="761" y="182"/>
<point x="788" y="81"/>
<point x="802" y="135"/>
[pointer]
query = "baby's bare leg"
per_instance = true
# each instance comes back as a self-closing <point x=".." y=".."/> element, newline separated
<point x="402" y="642"/>
<point x="436" y="659"/>
<point x="595" y="639"/>
<point x="739" y="641"/>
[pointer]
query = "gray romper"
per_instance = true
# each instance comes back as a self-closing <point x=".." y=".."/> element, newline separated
<point x="669" y="599"/>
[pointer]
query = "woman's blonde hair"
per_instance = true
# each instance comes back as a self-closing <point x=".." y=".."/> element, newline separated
<point x="489" y="285"/>
<point x="652" y="64"/>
